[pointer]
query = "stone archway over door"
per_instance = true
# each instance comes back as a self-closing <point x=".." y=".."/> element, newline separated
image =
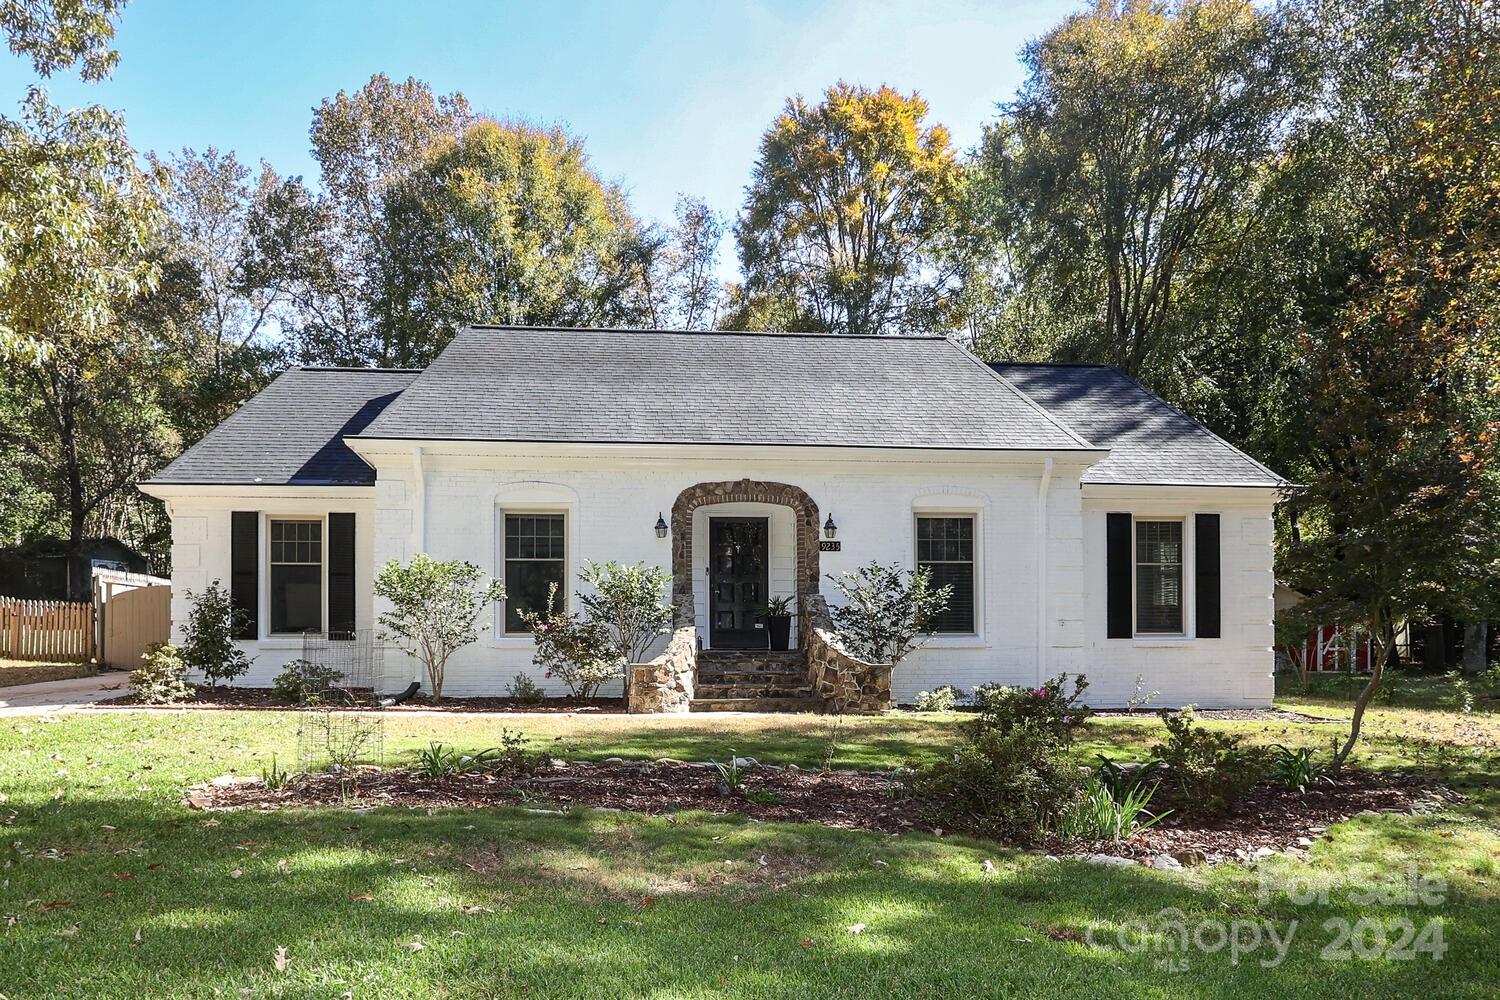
<point x="805" y="527"/>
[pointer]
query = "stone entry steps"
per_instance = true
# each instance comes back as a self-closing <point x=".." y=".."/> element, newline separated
<point x="753" y="680"/>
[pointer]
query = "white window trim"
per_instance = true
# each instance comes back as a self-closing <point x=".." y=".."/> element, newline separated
<point x="958" y="640"/>
<point x="289" y="639"/>
<point x="1189" y="617"/>
<point x="500" y="637"/>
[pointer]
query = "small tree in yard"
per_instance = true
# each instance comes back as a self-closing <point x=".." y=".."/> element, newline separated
<point x="435" y="609"/>
<point x="887" y="611"/>
<point x="208" y="638"/>
<point x="628" y="601"/>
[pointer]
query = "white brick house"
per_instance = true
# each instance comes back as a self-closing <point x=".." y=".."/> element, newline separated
<point x="1086" y="525"/>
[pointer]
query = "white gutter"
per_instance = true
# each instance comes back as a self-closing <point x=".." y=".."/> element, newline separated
<point x="419" y="504"/>
<point x="1043" y="485"/>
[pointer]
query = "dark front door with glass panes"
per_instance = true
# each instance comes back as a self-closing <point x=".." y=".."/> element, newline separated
<point x="534" y="561"/>
<point x="737" y="582"/>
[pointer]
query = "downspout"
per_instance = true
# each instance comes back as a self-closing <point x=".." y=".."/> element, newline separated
<point x="1043" y="485"/>
<point x="419" y="504"/>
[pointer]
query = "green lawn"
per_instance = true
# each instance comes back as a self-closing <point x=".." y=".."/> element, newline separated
<point x="165" y="902"/>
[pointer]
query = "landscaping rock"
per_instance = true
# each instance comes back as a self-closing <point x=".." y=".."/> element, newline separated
<point x="1108" y="859"/>
<point x="1165" y="862"/>
<point x="1190" y="857"/>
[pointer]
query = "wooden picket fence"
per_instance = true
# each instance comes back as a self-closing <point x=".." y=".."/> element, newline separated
<point x="46" y="630"/>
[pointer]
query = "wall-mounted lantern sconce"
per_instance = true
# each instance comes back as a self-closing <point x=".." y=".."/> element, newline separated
<point x="661" y="526"/>
<point x="830" y="530"/>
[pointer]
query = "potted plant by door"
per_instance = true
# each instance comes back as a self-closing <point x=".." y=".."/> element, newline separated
<point x="778" y="618"/>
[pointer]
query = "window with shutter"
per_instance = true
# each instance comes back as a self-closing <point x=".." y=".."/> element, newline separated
<point x="296" y="576"/>
<point x="1158" y="578"/>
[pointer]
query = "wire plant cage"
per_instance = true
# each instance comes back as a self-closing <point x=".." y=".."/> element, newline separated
<point x="340" y="721"/>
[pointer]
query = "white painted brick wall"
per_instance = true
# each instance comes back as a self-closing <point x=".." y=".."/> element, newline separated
<point x="613" y="504"/>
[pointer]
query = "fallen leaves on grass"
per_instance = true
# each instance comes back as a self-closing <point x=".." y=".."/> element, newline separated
<point x="362" y="897"/>
<point x="280" y="958"/>
<point x="413" y="946"/>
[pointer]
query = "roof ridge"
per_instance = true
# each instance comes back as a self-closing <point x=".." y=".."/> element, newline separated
<point x="1058" y="364"/>
<point x="810" y="334"/>
<point x="356" y="368"/>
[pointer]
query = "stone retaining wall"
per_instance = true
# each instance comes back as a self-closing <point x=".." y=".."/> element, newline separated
<point x="846" y="684"/>
<point x="666" y="683"/>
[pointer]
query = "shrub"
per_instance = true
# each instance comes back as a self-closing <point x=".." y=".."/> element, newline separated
<point x="208" y="640"/>
<point x="435" y="609"/>
<point x="1296" y="768"/>
<point x="304" y="682"/>
<point x="161" y="679"/>
<point x="525" y="690"/>
<point x="1209" y="771"/>
<point x="1108" y="811"/>
<point x="886" y="611"/>
<point x="578" y="651"/>
<point x="941" y="700"/>
<point x="1048" y="707"/>
<point x="1013" y="784"/>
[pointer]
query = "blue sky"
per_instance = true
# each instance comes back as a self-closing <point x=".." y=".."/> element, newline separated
<point x="669" y="96"/>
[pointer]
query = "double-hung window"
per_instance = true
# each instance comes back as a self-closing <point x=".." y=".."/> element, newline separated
<point x="535" y="550"/>
<point x="945" y="548"/>
<point x="1158" y="578"/>
<point x="296" y="576"/>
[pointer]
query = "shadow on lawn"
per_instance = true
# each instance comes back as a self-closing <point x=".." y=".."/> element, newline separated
<point x="510" y="903"/>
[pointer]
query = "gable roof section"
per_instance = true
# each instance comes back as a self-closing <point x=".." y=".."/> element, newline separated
<point x="292" y="432"/>
<point x="665" y="387"/>
<point x="1151" y="442"/>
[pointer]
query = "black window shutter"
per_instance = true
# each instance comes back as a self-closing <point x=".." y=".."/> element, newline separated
<point x="244" y="569"/>
<point x="1206" y="561"/>
<point x="341" y="576"/>
<point x="1119" y="565"/>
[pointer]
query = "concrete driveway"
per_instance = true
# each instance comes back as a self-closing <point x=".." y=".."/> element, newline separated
<point x="55" y="696"/>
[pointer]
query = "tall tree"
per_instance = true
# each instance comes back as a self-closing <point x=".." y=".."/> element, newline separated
<point x="846" y="219"/>
<point x="1124" y="168"/>
<point x="79" y="220"/>
<point x="674" y="284"/>
<point x="57" y="34"/>
<point x="220" y="324"/>
<point x="335" y="252"/>
<point x="508" y="223"/>
<point x="1401" y="517"/>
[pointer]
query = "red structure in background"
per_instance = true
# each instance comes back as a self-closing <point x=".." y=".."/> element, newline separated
<point x="1336" y="648"/>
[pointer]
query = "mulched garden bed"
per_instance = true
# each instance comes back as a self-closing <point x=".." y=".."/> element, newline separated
<point x="242" y="698"/>
<point x="1223" y="714"/>
<point x="1270" y="820"/>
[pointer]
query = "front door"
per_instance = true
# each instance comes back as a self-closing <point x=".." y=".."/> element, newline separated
<point x="737" y="581"/>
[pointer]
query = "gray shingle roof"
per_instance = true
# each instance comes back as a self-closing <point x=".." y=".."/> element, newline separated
<point x="569" y="385"/>
<point x="292" y="432"/>
<point x="1150" y="441"/>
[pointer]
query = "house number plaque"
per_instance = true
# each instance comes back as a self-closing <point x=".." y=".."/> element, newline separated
<point x="830" y="546"/>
